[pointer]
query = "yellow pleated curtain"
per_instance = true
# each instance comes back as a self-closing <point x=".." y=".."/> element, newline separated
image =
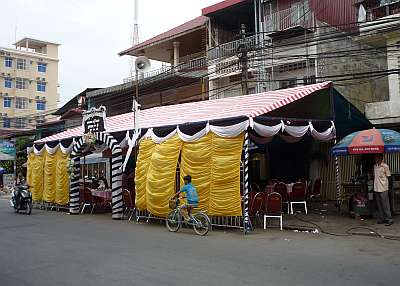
<point x="225" y="176"/>
<point x="213" y="162"/>
<point x="143" y="162"/>
<point x="196" y="162"/>
<point x="62" y="181"/>
<point x="37" y="177"/>
<point x="161" y="175"/>
<point x="49" y="180"/>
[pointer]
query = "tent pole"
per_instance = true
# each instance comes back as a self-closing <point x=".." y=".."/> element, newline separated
<point x="246" y="222"/>
<point x="338" y="190"/>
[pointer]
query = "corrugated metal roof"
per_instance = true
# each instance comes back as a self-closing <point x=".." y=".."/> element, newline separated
<point x="173" y="33"/>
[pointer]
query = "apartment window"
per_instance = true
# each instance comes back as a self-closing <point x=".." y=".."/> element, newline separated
<point x="21" y="103"/>
<point x="6" y="123"/>
<point x="41" y="86"/>
<point x="21" y="64"/>
<point x="20" y="123"/>
<point x="8" y="82"/>
<point x="8" y="62"/>
<point x="7" y="102"/>
<point x="20" y="83"/>
<point x="41" y="105"/>
<point x="41" y="67"/>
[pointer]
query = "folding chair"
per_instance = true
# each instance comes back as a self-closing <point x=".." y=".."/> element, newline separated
<point x="273" y="208"/>
<point x="298" y="196"/>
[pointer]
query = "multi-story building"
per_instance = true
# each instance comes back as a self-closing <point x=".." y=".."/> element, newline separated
<point x="290" y="43"/>
<point x="28" y="83"/>
<point x="380" y="28"/>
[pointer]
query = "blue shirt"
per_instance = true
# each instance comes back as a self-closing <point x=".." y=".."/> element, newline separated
<point x="191" y="194"/>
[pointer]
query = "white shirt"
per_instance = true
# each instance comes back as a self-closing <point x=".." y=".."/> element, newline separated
<point x="381" y="174"/>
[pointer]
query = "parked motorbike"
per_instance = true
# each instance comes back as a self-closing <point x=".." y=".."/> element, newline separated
<point x="21" y="199"/>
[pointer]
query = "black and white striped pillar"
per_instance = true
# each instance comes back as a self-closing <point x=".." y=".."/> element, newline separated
<point x="246" y="222"/>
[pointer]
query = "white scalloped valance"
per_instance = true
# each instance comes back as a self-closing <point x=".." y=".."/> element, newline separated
<point x="294" y="133"/>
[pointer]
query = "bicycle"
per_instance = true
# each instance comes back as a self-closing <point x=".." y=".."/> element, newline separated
<point x="200" y="221"/>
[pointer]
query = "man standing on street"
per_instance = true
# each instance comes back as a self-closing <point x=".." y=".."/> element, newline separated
<point x="381" y="189"/>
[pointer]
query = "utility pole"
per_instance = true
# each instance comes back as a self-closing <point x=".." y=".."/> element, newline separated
<point x="243" y="60"/>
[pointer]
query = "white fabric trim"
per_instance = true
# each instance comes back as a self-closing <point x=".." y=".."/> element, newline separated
<point x="50" y="150"/>
<point x="29" y="150"/>
<point x="159" y="140"/>
<point x="67" y="150"/>
<point x="194" y="137"/>
<point x="297" y="131"/>
<point x="230" y="131"/>
<point x="327" y="135"/>
<point x="268" y="131"/>
<point x="131" y="143"/>
<point x="38" y="152"/>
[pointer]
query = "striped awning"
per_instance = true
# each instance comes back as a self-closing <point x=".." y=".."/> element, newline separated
<point x="248" y="106"/>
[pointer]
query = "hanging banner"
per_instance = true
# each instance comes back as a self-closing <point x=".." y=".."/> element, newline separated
<point x="94" y="120"/>
<point x="7" y="150"/>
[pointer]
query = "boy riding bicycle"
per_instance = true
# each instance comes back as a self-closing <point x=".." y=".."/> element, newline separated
<point x="192" y="199"/>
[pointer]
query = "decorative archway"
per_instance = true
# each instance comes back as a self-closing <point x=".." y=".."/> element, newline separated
<point x="94" y="130"/>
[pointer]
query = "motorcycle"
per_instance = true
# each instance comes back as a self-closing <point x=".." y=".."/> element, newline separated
<point x="21" y="199"/>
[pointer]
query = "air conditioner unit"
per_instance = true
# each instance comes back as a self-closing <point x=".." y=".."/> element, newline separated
<point x="2" y="53"/>
<point x="31" y="62"/>
<point x="9" y="74"/>
<point x="30" y="100"/>
<point x="6" y="94"/>
<point x="37" y="97"/>
<point x="3" y="73"/>
<point x="8" y="54"/>
<point x="43" y="98"/>
<point x="43" y="79"/>
<point x="38" y="78"/>
<point x="5" y="114"/>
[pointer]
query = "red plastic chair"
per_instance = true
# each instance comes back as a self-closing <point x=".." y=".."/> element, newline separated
<point x="281" y="189"/>
<point x="257" y="205"/>
<point x="298" y="196"/>
<point x="273" y="208"/>
<point x="87" y="200"/>
<point x="128" y="204"/>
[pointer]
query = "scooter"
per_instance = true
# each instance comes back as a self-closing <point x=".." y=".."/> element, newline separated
<point x="21" y="199"/>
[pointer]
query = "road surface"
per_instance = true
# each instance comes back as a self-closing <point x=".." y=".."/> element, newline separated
<point x="49" y="248"/>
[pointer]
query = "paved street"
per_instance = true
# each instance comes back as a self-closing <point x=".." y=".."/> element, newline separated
<point x="49" y="248"/>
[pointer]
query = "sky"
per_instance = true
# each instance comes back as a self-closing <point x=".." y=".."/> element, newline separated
<point x="91" y="33"/>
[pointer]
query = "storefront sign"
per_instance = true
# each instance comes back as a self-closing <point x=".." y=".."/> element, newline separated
<point x="7" y="151"/>
<point x="94" y="120"/>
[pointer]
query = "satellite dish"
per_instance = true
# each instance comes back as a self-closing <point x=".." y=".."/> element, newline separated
<point x="142" y="64"/>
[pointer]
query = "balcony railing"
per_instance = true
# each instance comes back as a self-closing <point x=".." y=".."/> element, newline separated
<point x="298" y="15"/>
<point x="231" y="48"/>
<point x="383" y="11"/>
<point x="168" y="71"/>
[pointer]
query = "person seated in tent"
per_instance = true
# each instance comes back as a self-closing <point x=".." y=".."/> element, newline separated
<point x="192" y="198"/>
<point x="103" y="184"/>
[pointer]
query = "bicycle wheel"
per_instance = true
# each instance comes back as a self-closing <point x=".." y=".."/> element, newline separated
<point x="173" y="221"/>
<point x="202" y="224"/>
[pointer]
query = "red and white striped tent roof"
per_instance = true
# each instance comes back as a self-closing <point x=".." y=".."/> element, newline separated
<point x="247" y="105"/>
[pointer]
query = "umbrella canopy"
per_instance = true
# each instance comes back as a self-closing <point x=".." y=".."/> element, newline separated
<point x="371" y="141"/>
